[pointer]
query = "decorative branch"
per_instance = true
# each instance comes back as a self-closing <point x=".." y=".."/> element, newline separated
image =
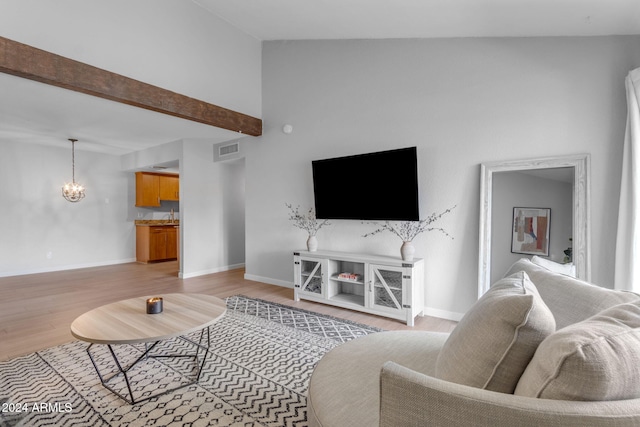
<point x="409" y="230"/>
<point x="307" y="221"/>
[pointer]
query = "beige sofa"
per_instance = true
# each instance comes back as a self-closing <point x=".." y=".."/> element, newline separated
<point x="573" y="359"/>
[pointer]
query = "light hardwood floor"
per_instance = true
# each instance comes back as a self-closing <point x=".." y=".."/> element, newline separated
<point x="36" y="310"/>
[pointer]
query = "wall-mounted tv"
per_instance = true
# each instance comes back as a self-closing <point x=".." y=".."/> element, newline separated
<point x="372" y="186"/>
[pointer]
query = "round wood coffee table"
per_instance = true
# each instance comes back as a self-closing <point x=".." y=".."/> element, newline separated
<point x="127" y="322"/>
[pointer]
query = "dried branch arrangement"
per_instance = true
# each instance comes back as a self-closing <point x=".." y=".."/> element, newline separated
<point x="409" y="230"/>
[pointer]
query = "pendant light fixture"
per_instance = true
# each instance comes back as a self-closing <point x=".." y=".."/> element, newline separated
<point x="73" y="192"/>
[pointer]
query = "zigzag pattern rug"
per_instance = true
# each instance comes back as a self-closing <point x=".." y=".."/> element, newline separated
<point x="257" y="372"/>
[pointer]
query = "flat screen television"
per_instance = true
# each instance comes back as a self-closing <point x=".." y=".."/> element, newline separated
<point x="372" y="186"/>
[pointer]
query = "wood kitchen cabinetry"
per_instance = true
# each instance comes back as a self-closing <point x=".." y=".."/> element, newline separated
<point x="151" y="188"/>
<point x="156" y="243"/>
<point x="169" y="187"/>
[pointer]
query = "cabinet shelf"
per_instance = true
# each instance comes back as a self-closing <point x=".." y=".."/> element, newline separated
<point x="393" y="288"/>
<point x="337" y="278"/>
<point x="349" y="298"/>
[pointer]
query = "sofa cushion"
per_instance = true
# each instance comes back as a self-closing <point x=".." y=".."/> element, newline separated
<point x="569" y="268"/>
<point x="345" y="386"/>
<point x="596" y="359"/>
<point x="570" y="300"/>
<point x="495" y="340"/>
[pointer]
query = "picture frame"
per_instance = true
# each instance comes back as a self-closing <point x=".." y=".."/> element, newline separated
<point x="530" y="231"/>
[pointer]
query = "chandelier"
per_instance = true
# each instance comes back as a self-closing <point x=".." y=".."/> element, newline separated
<point x="73" y="192"/>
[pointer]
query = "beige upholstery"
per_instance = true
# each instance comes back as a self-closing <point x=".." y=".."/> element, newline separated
<point x="344" y="388"/>
<point x="568" y="269"/>
<point x="569" y="299"/>
<point x="387" y="379"/>
<point x="596" y="359"/>
<point x="413" y="399"/>
<point x="495" y="340"/>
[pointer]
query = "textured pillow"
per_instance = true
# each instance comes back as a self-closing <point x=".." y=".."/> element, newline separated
<point x="569" y="299"/>
<point x="495" y="340"/>
<point x="596" y="359"/>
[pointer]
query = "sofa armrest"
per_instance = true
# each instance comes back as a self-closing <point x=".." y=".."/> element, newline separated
<point x="409" y="398"/>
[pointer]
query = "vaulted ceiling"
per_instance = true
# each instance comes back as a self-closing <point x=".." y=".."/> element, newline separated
<point x="383" y="19"/>
<point x="36" y="112"/>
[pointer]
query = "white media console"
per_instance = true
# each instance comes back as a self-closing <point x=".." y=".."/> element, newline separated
<point x="385" y="286"/>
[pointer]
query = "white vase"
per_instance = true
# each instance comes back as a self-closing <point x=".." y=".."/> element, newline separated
<point x="407" y="250"/>
<point x="312" y="244"/>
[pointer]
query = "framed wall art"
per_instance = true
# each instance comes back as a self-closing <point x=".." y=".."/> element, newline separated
<point x="530" y="232"/>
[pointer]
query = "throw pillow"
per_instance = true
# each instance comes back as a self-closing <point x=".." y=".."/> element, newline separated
<point x="495" y="340"/>
<point x="596" y="359"/>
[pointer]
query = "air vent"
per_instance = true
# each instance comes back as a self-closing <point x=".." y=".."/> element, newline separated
<point x="227" y="150"/>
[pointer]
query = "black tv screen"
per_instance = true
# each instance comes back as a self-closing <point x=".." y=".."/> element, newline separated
<point x="373" y="186"/>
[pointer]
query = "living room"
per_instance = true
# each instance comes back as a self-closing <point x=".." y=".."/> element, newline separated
<point x="461" y="101"/>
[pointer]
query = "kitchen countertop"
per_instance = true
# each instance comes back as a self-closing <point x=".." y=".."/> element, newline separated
<point x="155" y="222"/>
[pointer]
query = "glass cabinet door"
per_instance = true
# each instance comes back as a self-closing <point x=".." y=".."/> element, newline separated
<point x="311" y="276"/>
<point x="386" y="287"/>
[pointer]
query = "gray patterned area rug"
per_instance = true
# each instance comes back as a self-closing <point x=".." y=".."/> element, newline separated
<point x="257" y="372"/>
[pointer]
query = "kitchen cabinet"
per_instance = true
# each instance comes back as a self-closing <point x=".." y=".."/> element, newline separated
<point x="151" y="188"/>
<point x="156" y="243"/>
<point x="147" y="189"/>
<point x="169" y="187"/>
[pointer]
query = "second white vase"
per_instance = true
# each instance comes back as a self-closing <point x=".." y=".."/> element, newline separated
<point x="407" y="250"/>
<point x="312" y="244"/>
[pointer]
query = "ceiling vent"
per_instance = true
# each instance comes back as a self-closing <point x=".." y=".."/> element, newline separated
<point x="227" y="150"/>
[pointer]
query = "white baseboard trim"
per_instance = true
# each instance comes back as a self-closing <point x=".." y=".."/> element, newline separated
<point x="443" y="314"/>
<point x="64" y="267"/>
<point x="433" y="312"/>
<point x="182" y="275"/>
<point x="269" y="280"/>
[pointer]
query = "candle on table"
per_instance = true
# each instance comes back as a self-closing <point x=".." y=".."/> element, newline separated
<point x="154" y="305"/>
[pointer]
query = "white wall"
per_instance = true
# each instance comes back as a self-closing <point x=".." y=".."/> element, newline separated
<point x="159" y="154"/>
<point x="176" y="45"/>
<point x="211" y="211"/>
<point x="211" y="207"/>
<point x="99" y="230"/>
<point x="461" y="102"/>
<point x="516" y="189"/>
<point x="168" y="43"/>
<point x="38" y="220"/>
<point x="233" y="199"/>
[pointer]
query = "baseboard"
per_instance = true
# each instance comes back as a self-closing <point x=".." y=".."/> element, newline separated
<point x="443" y="314"/>
<point x="65" y="267"/>
<point x="269" y="280"/>
<point x="182" y="275"/>
<point x="434" y="312"/>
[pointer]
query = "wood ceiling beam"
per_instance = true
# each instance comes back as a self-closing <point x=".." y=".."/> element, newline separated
<point x="35" y="64"/>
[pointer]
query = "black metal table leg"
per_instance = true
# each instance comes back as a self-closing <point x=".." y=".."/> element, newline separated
<point x="124" y="371"/>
